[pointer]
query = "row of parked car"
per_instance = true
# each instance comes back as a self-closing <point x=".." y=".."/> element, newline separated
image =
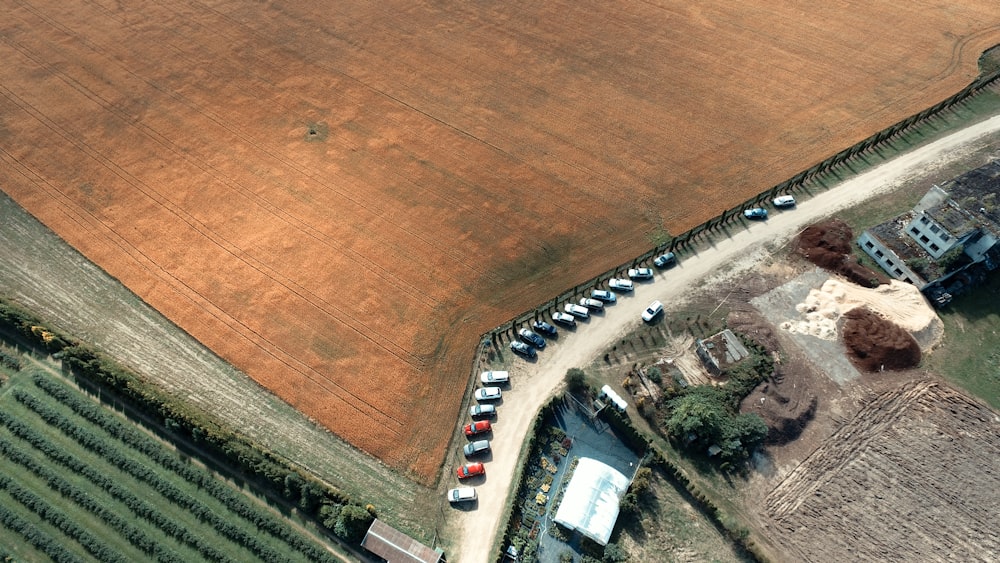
<point x="481" y="413"/>
<point x="531" y="340"/>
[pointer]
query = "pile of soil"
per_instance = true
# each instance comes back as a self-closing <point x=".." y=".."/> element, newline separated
<point x="786" y="409"/>
<point x="828" y="245"/>
<point x="874" y="343"/>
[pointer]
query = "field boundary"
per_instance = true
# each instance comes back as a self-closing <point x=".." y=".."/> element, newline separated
<point x="684" y="243"/>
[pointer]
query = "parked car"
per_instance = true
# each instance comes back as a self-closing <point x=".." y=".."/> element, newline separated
<point x="532" y="338"/>
<point x="544" y="328"/>
<point x="487" y="393"/>
<point x="604" y="295"/>
<point x="665" y="260"/>
<point x="578" y="311"/>
<point x="523" y="349"/>
<point x="482" y="411"/>
<point x="621" y="284"/>
<point x="462" y="494"/>
<point x="471" y="470"/>
<point x="640" y="273"/>
<point x="477" y="427"/>
<point x="564" y="318"/>
<point x="593" y="304"/>
<point x="488" y="377"/>
<point x="651" y="312"/>
<point x="755" y="213"/>
<point x="476" y="448"/>
<point x="783" y="201"/>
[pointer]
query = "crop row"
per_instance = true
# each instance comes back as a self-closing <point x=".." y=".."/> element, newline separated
<point x="132" y="437"/>
<point x="134" y="535"/>
<point x="100" y="446"/>
<point x="37" y="538"/>
<point x="59" y="520"/>
<point x="138" y="506"/>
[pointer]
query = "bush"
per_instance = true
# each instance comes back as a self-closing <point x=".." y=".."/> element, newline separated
<point x="576" y="380"/>
<point x="655" y="375"/>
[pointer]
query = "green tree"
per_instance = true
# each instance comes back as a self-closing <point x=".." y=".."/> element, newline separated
<point x="352" y="523"/>
<point x="576" y="380"/>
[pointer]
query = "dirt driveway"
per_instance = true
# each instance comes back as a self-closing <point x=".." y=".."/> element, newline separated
<point x="471" y="532"/>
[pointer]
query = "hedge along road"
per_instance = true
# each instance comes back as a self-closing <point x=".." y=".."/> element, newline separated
<point x="472" y="531"/>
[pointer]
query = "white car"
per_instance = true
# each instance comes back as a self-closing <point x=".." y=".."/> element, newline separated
<point x="488" y="394"/>
<point x="651" y="312"/>
<point x="577" y="310"/>
<point x="783" y="201"/>
<point x="592" y="304"/>
<point x="564" y="318"/>
<point x="488" y="377"/>
<point x="604" y="295"/>
<point x="462" y="494"/>
<point x="482" y="411"/>
<point x="621" y="284"/>
<point x="640" y="273"/>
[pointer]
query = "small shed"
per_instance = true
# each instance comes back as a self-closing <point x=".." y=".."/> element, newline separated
<point x="721" y="351"/>
<point x="396" y="547"/>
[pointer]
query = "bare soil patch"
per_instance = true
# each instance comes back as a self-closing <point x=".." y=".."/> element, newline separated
<point x="341" y="197"/>
<point x="893" y="484"/>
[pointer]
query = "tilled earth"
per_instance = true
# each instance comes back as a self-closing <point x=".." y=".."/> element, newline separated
<point x="909" y="478"/>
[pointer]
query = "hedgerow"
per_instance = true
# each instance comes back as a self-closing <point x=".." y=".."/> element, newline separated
<point x="36" y="538"/>
<point x="135" y="535"/>
<point x="137" y="440"/>
<point x="134" y="503"/>
<point x="61" y="521"/>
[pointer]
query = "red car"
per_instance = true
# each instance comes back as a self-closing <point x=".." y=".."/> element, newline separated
<point x="477" y="427"/>
<point x="471" y="470"/>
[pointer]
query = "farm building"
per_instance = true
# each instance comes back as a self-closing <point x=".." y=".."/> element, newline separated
<point x="590" y="502"/>
<point x="394" y="546"/>
<point x="948" y="240"/>
<point x="721" y="351"/>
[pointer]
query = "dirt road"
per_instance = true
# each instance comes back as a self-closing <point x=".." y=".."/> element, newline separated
<point x="472" y="531"/>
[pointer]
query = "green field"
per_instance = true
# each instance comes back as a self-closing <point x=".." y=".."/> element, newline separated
<point x="78" y="482"/>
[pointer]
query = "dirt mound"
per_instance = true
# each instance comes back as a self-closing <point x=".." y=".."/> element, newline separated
<point x="874" y="343"/>
<point x="828" y="245"/>
<point x="786" y="409"/>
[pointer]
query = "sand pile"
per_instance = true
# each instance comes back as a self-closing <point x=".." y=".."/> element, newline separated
<point x="897" y="302"/>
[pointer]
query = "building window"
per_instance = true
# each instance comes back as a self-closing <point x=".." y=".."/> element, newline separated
<point x="914" y="231"/>
<point x="935" y="229"/>
<point x="868" y="244"/>
<point x="907" y="279"/>
<point x="935" y="248"/>
<point x="889" y="262"/>
<point x="898" y="272"/>
<point x="945" y="237"/>
<point x="924" y="239"/>
<point x="879" y="253"/>
<point x="923" y="220"/>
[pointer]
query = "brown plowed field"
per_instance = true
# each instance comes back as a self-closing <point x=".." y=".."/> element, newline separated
<point x="906" y="479"/>
<point x="340" y="197"/>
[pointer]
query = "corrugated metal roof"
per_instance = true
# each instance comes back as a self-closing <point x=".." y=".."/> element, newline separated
<point x="395" y="546"/>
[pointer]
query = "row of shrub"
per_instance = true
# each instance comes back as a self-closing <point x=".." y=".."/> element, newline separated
<point x="35" y="537"/>
<point x="62" y="522"/>
<point x="9" y="361"/>
<point x="234" y="501"/>
<point x="140" y="471"/>
<point x="326" y="504"/>
<point x="133" y="534"/>
<point x="521" y="478"/>
<point x="116" y="490"/>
